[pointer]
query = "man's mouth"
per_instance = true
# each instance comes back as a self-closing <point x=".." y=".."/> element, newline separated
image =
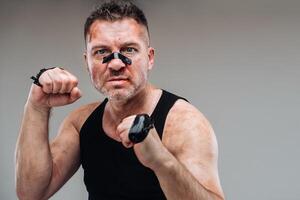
<point x="118" y="79"/>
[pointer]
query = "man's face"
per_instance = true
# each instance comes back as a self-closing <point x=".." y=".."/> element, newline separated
<point x="116" y="80"/>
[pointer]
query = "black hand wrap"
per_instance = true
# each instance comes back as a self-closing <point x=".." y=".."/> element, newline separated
<point x="140" y="128"/>
<point x="116" y="55"/>
<point x="36" y="78"/>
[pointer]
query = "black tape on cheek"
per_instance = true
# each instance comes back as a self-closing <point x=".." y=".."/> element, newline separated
<point x="140" y="128"/>
<point x="108" y="58"/>
<point x="124" y="59"/>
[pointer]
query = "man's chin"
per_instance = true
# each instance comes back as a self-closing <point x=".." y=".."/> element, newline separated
<point x="119" y="95"/>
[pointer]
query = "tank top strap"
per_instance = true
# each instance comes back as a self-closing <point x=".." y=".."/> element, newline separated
<point x="92" y="122"/>
<point x="159" y="115"/>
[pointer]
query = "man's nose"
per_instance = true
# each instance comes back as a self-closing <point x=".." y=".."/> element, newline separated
<point x="116" y="64"/>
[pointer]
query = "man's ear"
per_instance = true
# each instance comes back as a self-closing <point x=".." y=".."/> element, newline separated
<point x="151" y="55"/>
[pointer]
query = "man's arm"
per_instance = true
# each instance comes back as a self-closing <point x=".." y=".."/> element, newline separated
<point x="178" y="182"/>
<point x="42" y="168"/>
<point x="191" y="170"/>
<point x="185" y="161"/>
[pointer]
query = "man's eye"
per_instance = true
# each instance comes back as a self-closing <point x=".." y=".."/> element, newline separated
<point x="101" y="52"/>
<point x="128" y="50"/>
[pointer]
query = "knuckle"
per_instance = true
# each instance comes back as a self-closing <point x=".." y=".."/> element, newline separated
<point x="43" y="75"/>
<point x="65" y="80"/>
<point x="47" y="84"/>
<point x="58" y="82"/>
<point x="74" y="81"/>
<point x="118" y="130"/>
<point x="47" y="87"/>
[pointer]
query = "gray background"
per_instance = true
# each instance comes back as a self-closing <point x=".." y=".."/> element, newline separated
<point x="236" y="60"/>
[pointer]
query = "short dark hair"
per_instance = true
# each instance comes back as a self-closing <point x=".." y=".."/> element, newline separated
<point x="113" y="10"/>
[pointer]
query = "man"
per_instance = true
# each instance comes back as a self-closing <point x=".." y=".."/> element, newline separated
<point x="176" y="157"/>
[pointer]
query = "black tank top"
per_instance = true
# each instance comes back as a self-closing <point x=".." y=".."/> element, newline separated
<point x="113" y="172"/>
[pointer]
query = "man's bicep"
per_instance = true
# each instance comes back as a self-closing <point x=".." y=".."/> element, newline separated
<point x="65" y="150"/>
<point x="193" y="143"/>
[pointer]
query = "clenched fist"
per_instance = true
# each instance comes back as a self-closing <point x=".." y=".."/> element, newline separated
<point x="150" y="152"/>
<point x="58" y="88"/>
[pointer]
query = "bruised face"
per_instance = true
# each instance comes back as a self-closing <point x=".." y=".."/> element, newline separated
<point x="115" y="79"/>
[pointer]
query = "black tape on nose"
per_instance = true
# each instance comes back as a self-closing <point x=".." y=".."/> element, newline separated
<point x="117" y="55"/>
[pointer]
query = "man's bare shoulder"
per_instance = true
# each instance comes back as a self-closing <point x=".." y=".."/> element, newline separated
<point x="79" y="115"/>
<point x="187" y="114"/>
<point x="185" y="123"/>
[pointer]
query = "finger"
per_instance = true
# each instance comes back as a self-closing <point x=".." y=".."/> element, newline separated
<point x="55" y="78"/>
<point x="46" y="82"/>
<point x="73" y="82"/>
<point x="62" y="81"/>
<point x="64" y="99"/>
<point x="127" y="122"/>
<point x="69" y="81"/>
<point x="65" y="85"/>
<point x="125" y="141"/>
<point x="74" y="94"/>
<point x="120" y="128"/>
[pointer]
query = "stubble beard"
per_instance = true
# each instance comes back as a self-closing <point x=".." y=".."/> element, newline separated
<point x="118" y="94"/>
<point x="122" y="94"/>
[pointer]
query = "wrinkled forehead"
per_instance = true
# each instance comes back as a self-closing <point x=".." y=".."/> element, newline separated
<point x="119" y="31"/>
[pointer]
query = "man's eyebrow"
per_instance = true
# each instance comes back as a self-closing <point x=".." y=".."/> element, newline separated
<point x="99" y="46"/>
<point x="130" y="44"/>
<point x="125" y="44"/>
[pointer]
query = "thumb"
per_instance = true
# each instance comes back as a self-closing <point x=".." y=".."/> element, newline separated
<point x="74" y="94"/>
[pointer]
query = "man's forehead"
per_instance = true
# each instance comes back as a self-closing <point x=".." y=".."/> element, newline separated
<point x="119" y="29"/>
